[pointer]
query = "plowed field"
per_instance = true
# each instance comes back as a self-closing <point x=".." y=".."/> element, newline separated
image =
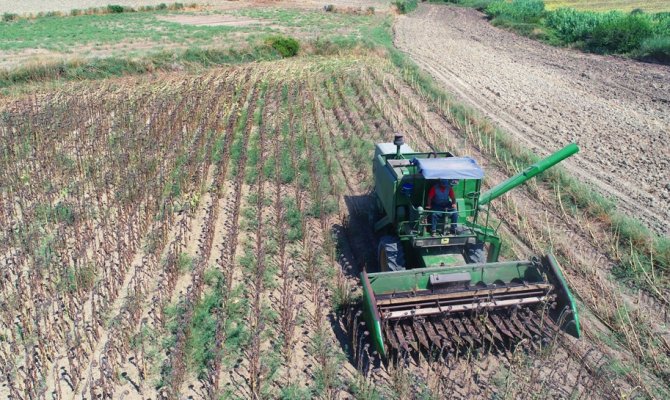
<point x="617" y="110"/>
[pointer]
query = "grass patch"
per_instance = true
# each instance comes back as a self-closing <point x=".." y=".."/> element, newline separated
<point x="120" y="30"/>
<point x="331" y="33"/>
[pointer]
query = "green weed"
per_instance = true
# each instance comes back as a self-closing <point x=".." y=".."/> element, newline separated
<point x="74" y="279"/>
<point x="185" y="263"/>
<point x="293" y="219"/>
<point x="7" y="17"/>
<point x="294" y="391"/>
<point x="202" y="339"/>
<point x="60" y="213"/>
<point x="571" y="26"/>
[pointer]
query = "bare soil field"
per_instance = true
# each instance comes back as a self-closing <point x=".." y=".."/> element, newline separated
<point x="617" y="110"/>
<point x="214" y="20"/>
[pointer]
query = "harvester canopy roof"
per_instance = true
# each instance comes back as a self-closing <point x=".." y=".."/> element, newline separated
<point x="449" y="168"/>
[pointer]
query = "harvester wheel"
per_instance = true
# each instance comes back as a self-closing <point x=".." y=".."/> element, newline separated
<point x="390" y="254"/>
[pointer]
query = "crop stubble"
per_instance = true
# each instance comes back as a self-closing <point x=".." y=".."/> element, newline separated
<point x="219" y="140"/>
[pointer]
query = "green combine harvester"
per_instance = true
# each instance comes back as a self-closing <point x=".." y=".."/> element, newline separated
<point x="440" y="284"/>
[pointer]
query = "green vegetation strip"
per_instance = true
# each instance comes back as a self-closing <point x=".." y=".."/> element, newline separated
<point x="638" y="34"/>
<point x="183" y="46"/>
<point x="100" y="68"/>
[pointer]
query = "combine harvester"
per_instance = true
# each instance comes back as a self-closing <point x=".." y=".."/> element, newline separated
<point x="446" y="289"/>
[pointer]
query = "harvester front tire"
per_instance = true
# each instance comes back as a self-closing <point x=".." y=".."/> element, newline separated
<point x="390" y="254"/>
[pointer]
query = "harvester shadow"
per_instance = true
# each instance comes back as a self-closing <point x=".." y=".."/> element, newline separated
<point x="358" y="234"/>
<point x="356" y="244"/>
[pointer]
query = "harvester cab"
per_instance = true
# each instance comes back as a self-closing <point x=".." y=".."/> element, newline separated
<point x="439" y="276"/>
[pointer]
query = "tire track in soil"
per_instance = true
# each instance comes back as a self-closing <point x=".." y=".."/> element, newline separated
<point x="284" y="298"/>
<point x="226" y="235"/>
<point x="302" y="365"/>
<point x="134" y="370"/>
<point x="195" y="289"/>
<point x="616" y="109"/>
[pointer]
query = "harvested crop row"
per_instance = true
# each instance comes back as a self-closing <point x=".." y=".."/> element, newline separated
<point x="226" y="235"/>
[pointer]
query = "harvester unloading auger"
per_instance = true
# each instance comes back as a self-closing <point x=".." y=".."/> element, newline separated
<point x="445" y="288"/>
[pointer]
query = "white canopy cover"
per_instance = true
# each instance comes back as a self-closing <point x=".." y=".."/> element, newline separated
<point x="449" y="168"/>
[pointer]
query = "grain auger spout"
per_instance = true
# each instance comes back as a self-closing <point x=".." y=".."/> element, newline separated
<point x="440" y="284"/>
<point x="528" y="173"/>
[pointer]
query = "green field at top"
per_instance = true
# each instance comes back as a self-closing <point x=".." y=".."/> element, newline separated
<point x="608" y="5"/>
<point x="140" y="33"/>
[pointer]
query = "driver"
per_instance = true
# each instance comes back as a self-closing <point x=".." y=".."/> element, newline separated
<point x="441" y="198"/>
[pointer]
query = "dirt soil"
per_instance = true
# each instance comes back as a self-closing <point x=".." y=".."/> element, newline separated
<point x="617" y="110"/>
<point x="213" y="20"/>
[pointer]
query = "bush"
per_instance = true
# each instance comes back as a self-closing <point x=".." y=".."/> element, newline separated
<point x="620" y="33"/>
<point x="570" y="25"/>
<point x="115" y="9"/>
<point x="524" y="11"/>
<point x="656" y="49"/>
<point x="286" y="46"/>
<point x="7" y="17"/>
<point x="405" y="6"/>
